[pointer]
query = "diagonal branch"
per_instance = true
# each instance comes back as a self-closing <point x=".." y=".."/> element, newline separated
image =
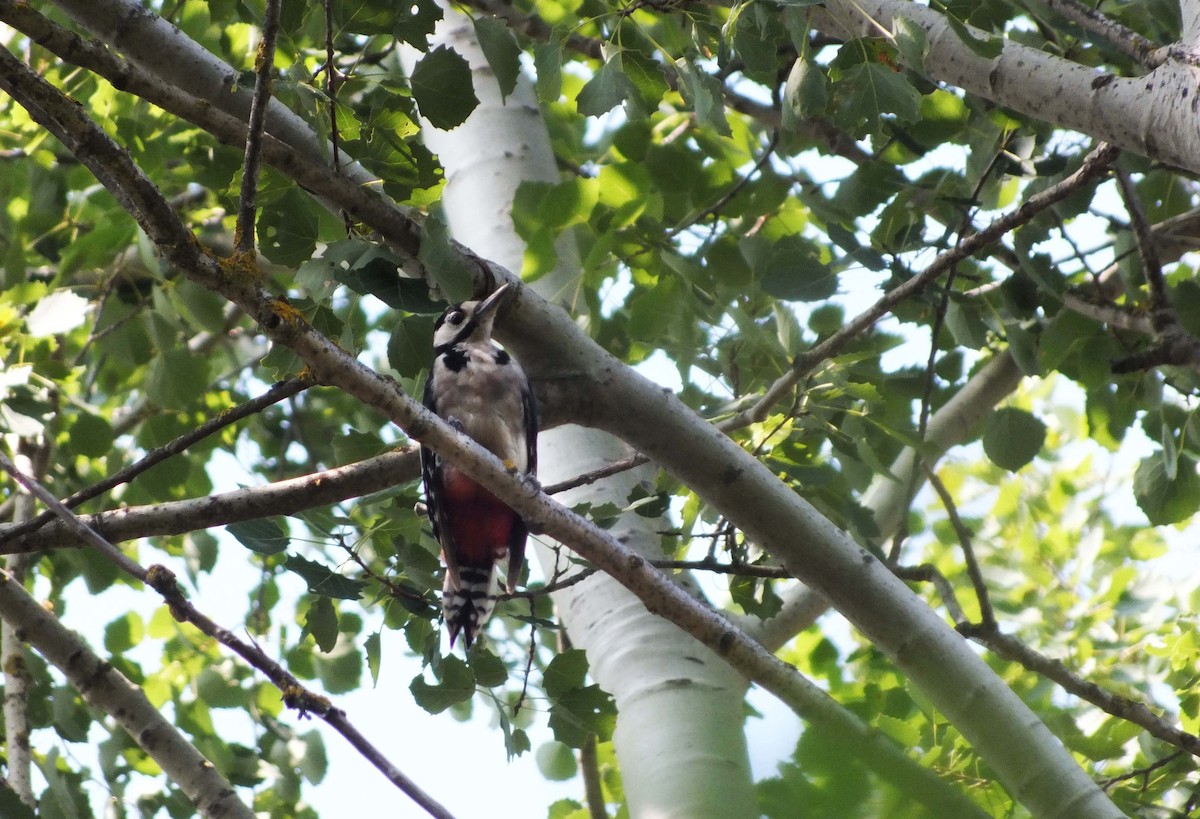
<point x="275" y="394"/>
<point x="294" y="694"/>
<point x="286" y="497"/>
<point x="264" y="64"/>
<point x="105" y="688"/>
<point x="335" y="366"/>
<point x="1094" y="165"/>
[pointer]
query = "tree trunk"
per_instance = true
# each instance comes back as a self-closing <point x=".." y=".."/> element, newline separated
<point x="679" y="735"/>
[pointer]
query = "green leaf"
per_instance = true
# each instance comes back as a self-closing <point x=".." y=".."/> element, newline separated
<point x="373" y="647"/>
<point x="488" y="669"/>
<point x="705" y="94"/>
<point x="441" y="85"/>
<point x="59" y="312"/>
<point x="177" y="378"/>
<point x="443" y="262"/>
<point x="413" y="22"/>
<point x="287" y="228"/>
<point x="876" y="91"/>
<point x="983" y="44"/>
<point x="313" y="763"/>
<point x="410" y="348"/>
<point x="1012" y="437"/>
<point x="1163" y="500"/>
<point x="217" y="689"/>
<point x="608" y="88"/>
<point x="91" y="435"/>
<point x="322" y="581"/>
<point x="581" y="714"/>
<point x="455" y="684"/>
<point x="556" y="762"/>
<point x="322" y="623"/>
<point x="123" y="633"/>
<point x="71" y="717"/>
<point x="806" y="92"/>
<point x="502" y="52"/>
<point x="912" y="41"/>
<point x="790" y="269"/>
<point x="262" y="535"/>
<point x="547" y="63"/>
<point x="565" y="672"/>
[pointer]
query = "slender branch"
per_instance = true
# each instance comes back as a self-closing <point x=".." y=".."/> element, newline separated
<point x="965" y="540"/>
<point x="280" y="498"/>
<point x="609" y="469"/>
<point x="1123" y="38"/>
<point x="1010" y="648"/>
<point x="830" y="549"/>
<point x="1175" y="345"/>
<point x="1142" y="773"/>
<point x="105" y="688"/>
<point x="14" y="664"/>
<point x="276" y="393"/>
<point x="295" y="695"/>
<point x="264" y="64"/>
<point x="733" y="190"/>
<point x="928" y="573"/>
<point x="73" y="524"/>
<point x="589" y="772"/>
<point x="1093" y="166"/>
<point x="706" y="565"/>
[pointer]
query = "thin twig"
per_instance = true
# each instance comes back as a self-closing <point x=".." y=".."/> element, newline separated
<point x="1010" y="648"/>
<point x="609" y="469"/>
<point x="331" y="85"/>
<point x="1094" y="164"/>
<point x="734" y="189"/>
<point x="285" y="497"/>
<point x="276" y="393"/>
<point x="264" y="65"/>
<point x="1120" y="37"/>
<point x="74" y="524"/>
<point x="589" y="772"/>
<point x="1175" y="345"/>
<point x="706" y="565"/>
<point x="295" y="695"/>
<point x="928" y="573"/>
<point x="965" y="540"/>
<point x="1144" y="772"/>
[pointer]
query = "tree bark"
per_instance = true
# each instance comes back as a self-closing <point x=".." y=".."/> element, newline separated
<point x="679" y="735"/>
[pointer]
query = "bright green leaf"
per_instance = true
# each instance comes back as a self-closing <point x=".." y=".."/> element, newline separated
<point x="1012" y="437"/>
<point x="441" y="85"/>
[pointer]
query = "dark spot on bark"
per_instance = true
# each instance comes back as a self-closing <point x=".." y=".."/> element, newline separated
<point x="635" y="562"/>
<point x="695" y="660"/>
<point x="725" y="643"/>
<point x="1102" y="80"/>
<point x="731" y="474"/>
<point x="867" y="557"/>
<point x="679" y="682"/>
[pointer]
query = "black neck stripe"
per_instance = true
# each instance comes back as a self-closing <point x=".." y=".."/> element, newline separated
<point x="463" y="334"/>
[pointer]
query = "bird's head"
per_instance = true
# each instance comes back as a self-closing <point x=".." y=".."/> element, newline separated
<point x="469" y="322"/>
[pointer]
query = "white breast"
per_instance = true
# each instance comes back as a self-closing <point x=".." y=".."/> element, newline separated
<point x="487" y="399"/>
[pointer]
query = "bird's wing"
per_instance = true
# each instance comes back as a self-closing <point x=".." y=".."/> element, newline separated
<point x="435" y="495"/>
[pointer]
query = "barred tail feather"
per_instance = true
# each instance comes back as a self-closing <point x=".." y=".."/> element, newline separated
<point x="468" y="605"/>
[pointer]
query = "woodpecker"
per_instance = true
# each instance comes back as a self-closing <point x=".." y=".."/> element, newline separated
<point x="479" y="389"/>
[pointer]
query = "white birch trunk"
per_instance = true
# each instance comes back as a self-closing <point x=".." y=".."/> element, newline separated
<point x="679" y="735"/>
<point x="1153" y="115"/>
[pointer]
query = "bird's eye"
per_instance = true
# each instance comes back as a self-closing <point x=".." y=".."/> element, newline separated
<point x="456" y="317"/>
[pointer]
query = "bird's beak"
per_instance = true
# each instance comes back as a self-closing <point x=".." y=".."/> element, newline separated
<point x="489" y="305"/>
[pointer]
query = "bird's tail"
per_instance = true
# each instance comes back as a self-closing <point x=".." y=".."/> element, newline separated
<point x="468" y="605"/>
